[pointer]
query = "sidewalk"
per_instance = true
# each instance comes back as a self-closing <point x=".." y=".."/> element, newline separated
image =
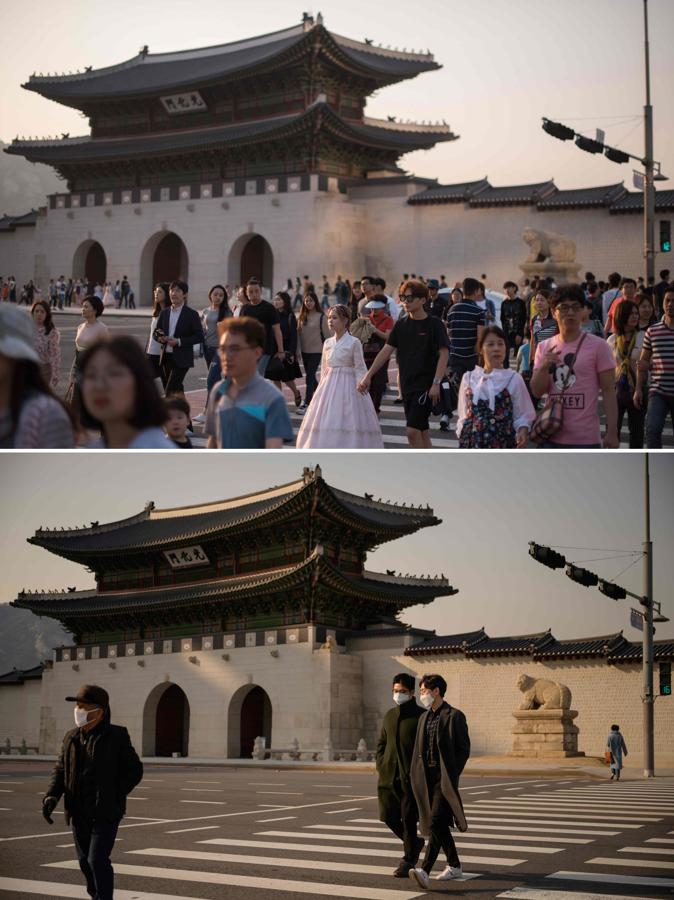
<point x="479" y="766"/>
<point x="143" y="312"/>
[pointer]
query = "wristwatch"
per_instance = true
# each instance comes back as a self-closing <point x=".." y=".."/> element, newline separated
<point x="437" y="380"/>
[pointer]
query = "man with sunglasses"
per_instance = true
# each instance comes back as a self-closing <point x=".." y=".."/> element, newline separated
<point x="422" y="351"/>
<point x="562" y="365"/>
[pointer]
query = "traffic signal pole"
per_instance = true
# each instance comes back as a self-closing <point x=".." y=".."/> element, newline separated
<point x="649" y="184"/>
<point x="647" y="653"/>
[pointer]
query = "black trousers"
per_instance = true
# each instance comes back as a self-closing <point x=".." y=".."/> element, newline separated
<point x="93" y="843"/>
<point x="403" y="823"/>
<point x="172" y="376"/>
<point x="441" y="819"/>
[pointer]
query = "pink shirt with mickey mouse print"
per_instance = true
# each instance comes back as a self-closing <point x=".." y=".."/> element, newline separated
<point x="581" y="416"/>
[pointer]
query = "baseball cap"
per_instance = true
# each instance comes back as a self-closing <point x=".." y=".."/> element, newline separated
<point x="91" y="693"/>
<point x="17" y="334"/>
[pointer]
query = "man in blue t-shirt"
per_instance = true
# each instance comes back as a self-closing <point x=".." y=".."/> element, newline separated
<point x="245" y="411"/>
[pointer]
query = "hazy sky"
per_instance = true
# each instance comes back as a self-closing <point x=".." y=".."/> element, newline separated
<point x="506" y="64"/>
<point x="491" y="505"/>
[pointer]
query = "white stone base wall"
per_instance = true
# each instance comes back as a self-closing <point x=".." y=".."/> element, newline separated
<point x="369" y="230"/>
<point x="20" y="713"/>
<point x="486" y="690"/>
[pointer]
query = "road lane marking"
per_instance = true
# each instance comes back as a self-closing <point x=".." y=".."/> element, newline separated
<point x="200" y="781"/>
<point x="267" y="783"/>
<point x="661" y="851"/>
<point x="206" y="802"/>
<point x="525" y="825"/>
<point x="57" y="889"/>
<point x="205" y="790"/>
<point x="610" y="878"/>
<point x="281" y="819"/>
<point x="529" y="893"/>
<point x="347" y="851"/>
<point x="334" y="812"/>
<point x="283" y="862"/>
<point x="648" y="863"/>
<point x="283" y="793"/>
<point x="245" y="881"/>
<point x="471" y="833"/>
<point x="183" y="830"/>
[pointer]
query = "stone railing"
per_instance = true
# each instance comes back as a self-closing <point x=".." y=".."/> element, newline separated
<point x="22" y="749"/>
<point x="326" y="753"/>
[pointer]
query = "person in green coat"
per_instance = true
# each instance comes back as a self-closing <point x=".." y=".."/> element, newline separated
<point x="397" y="806"/>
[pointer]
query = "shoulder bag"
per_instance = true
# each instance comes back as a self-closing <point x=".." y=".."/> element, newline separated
<point x="550" y="419"/>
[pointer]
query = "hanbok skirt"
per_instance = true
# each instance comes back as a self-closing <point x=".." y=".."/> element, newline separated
<point x="339" y="416"/>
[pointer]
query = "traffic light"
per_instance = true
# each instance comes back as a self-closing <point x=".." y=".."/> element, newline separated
<point x="665" y="236"/>
<point x="616" y="156"/>
<point x="588" y="144"/>
<point x="614" y="591"/>
<point x="581" y="576"/>
<point x="556" y="129"/>
<point x="547" y="556"/>
<point x="665" y="679"/>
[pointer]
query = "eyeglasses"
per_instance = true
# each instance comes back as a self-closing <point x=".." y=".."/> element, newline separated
<point x="564" y="308"/>
<point x="407" y="298"/>
<point x="232" y="351"/>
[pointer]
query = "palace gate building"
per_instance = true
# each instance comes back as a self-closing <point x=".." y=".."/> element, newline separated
<point x="258" y="158"/>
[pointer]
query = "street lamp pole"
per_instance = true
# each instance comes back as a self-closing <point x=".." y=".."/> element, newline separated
<point x="647" y="653"/>
<point x="649" y="185"/>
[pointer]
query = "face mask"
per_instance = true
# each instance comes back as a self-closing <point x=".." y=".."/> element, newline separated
<point x="426" y="700"/>
<point x="401" y="698"/>
<point x="81" y="716"/>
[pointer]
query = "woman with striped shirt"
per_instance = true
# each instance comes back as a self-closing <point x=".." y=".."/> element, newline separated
<point x="543" y="325"/>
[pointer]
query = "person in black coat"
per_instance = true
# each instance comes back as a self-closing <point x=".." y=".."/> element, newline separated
<point x="397" y="807"/>
<point x="178" y="330"/>
<point x="441" y="752"/>
<point x="96" y="770"/>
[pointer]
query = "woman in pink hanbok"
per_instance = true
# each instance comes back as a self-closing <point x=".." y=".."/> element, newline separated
<point x="339" y="417"/>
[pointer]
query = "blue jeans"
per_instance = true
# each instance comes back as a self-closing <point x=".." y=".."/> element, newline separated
<point x="658" y="407"/>
<point x="214" y="374"/>
<point x="93" y="844"/>
<point x="209" y="353"/>
<point x="311" y="363"/>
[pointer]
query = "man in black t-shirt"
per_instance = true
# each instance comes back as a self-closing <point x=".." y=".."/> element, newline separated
<point x="422" y="351"/>
<point x="267" y="315"/>
<point x="513" y="319"/>
<point x="437" y="306"/>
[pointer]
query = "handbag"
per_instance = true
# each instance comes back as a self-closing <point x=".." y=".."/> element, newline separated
<point x="275" y="370"/>
<point x="550" y="419"/>
<point x="608" y="757"/>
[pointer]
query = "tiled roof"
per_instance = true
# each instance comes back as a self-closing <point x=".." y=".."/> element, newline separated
<point x="613" y="648"/>
<point x="450" y="193"/>
<point x="17" y="676"/>
<point x="11" y="223"/>
<point x="633" y="202"/>
<point x="87" y="149"/>
<point x="524" y="194"/>
<point x="594" y="196"/>
<point x="154" y="73"/>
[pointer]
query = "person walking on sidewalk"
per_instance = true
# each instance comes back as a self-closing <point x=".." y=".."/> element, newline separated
<point x="96" y="770"/>
<point x="615" y="742"/>
<point x="441" y="751"/>
<point x="397" y="807"/>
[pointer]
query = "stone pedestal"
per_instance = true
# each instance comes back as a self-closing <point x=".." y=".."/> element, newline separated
<point x="560" y="272"/>
<point x="545" y="733"/>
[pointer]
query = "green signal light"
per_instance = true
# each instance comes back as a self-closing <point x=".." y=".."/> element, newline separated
<point x="667" y="689"/>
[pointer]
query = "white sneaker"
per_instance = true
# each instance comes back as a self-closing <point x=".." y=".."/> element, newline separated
<point x="421" y="877"/>
<point x="449" y="872"/>
<point x="200" y="419"/>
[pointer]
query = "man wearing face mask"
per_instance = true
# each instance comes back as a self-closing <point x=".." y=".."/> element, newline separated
<point x="441" y="751"/>
<point x="95" y="771"/>
<point x="397" y="807"/>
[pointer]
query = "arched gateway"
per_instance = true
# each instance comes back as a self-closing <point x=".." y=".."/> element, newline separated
<point x="90" y="262"/>
<point x="166" y="721"/>
<point x="249" y="717"/>
<point x="163" y="258"/>
<point x="251" y="256"/>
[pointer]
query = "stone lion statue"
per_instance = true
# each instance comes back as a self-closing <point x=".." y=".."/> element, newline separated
<point x="540" y="693"/>
<point x="546" y="245"/>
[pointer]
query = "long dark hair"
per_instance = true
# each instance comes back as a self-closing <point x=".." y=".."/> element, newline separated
<point x="160" y="305"/>
<point x="287" y="305"/>
<point x="27" y="378"/>
<point x="48" y="322"/>
<point x="223" y="307"/>
<point x="622" y="315"/>
<point x="304" y="312"/>
<point x="149" y="409"/>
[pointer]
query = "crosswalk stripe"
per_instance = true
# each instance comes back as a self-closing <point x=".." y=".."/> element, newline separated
<point x="660" y="840"/>
<point x="334" y="812"/>
<point x="531" y="893"/>
<point x="533" y="809"/>
<point x="647" y="863"/>
<point x="78" y="891"/>
<point x="246" y="881"/>
<point x="472" y="834"/>
<point x="661" y="851"/>
<point x="479" y="818"/>
<point x="483" y="823"/>
<point x="347" y="851"/>
<point x="357" y="838"/>
<point x="581" y="802"/>
<point x="282" y="861"/>
<point x="610" y="878"/>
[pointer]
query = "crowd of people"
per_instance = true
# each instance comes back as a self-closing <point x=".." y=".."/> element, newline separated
<point x="528" y="372"/>
<point x="63" y="293"/>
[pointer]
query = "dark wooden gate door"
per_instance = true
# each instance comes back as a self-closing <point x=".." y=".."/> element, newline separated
<point x="170" y="735"/>
<point x="252" y="720"/>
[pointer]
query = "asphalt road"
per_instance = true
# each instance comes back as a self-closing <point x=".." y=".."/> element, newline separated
<point x="194" y="833"/>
